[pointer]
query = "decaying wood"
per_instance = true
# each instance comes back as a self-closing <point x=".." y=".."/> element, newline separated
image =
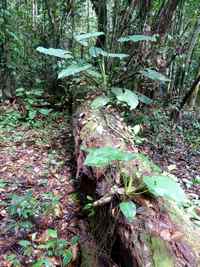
<point x="161" y="235"/>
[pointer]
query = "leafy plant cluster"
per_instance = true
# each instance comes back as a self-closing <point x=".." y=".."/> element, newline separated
<point x="29" y="207"/>
<point x="31" y="98"/>
<point x="92" y="66"/>
<point x="159" y="185"/>
<point x="9" y="119"/>
<point x="190" y="128"/>
<point x="24" y="211"/>
<point x="52" y="246"/>
<point x="26" y="111"/>
<point x="158" y="128"/>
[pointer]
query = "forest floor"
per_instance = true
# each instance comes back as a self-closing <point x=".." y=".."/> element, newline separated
<point x="38" y="203"/>
<point x="176" y="149"/>
<point x="39" y="206"/>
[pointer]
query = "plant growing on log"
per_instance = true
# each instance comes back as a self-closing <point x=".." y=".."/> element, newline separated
<point x="159" y="186"/>
<point x="93" y="65"/>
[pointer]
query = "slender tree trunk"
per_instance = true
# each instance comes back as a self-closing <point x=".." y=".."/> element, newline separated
<point x="176" y="113"/>
<point x="7" y="85"/>
<point x="164" y="20"/>
<point x="192" y="44"/>
<point x="190" y="92"/>
<point x="100" y="7"/>
<point x="34" y="13"/>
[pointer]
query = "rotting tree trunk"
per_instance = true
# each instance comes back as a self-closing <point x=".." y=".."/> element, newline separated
<point x="161" y="235"/>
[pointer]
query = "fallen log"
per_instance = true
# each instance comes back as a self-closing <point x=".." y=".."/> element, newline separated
<point x="161" y="234"/>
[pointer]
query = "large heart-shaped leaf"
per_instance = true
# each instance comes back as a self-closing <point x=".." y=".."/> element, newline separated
<point x="137" y="38"/>
<point x="96" y="51"/>
<point x="164" y="186"/>
<point x="103" y="156"/>
<point x="100" y="102"/>
<point x="82" y="38"/>
<point x="128" y="208"/>
<point x="154" y="75"/>
<point x="44" y="111"/>
<point x="144" y="99"/>
<point x="61" y="53"/>
<point x="73" y="69"/>
<point x="127" y="96"/>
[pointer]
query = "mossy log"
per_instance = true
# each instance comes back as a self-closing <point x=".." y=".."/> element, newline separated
<point x="161" y="235"/>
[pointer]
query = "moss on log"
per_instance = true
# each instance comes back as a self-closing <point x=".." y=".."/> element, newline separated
<point x="161" y="234"/>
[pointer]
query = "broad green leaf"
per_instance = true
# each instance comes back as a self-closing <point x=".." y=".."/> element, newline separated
<point x="39" y="263"/>
<point x="61" y="53"/>
<point x="96" y="51"/>
<point x="73" y="69"/>
<point x="24" y="243"/>
<point x="67" y="257"/>
<point x="38" y="92"/>
<point x="94" y="73"/>
<point x="75" y="240"/>
<point x="52" y="233"/>
<point x="100" y="102"/>
<point x="82" y="38"/>
<point x="154" y="75"/>
<point x="103" y="156"/>
<point x="127" y="96"/>
<point x="42" y="262"/>
<point x="137" y="38"/>
<point x="164" y="186"/>
<point x="88" y="35"/>
<point x="144" y="99"/>
<point x="32" y="114"/>
<point x="20" y="91"/>
<point x="44" y="111"/>
<point x="128" y="208"/>
<point x="136" y="129"/>
<point x="117" y="55"/>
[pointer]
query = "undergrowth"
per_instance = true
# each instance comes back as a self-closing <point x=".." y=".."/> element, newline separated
<point x="163" y="133"/>
<point x="28" y="214"/>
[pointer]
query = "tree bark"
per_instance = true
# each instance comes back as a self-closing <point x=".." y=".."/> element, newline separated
<point x="7" y="82"/>
<point x="164" y="19"/>
<point x="100" y="7"/>
<point x="161" y="235"/>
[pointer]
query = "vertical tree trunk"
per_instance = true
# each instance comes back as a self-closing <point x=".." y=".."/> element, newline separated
<point x="175" y="113"/>
<point x="100" y="7"/>
<point x="6" y="80"/>
<point x="192" y="44"/>
<point x="164" y="20"/>
<point x="34" y="13"/>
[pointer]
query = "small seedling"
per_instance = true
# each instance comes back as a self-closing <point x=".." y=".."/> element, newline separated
<point x="23" y="207"/>
<point x="12" y="259"/>
<point x="57" y="247"/>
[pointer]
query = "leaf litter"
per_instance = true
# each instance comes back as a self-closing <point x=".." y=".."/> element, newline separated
<point x="36" y="190"/>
